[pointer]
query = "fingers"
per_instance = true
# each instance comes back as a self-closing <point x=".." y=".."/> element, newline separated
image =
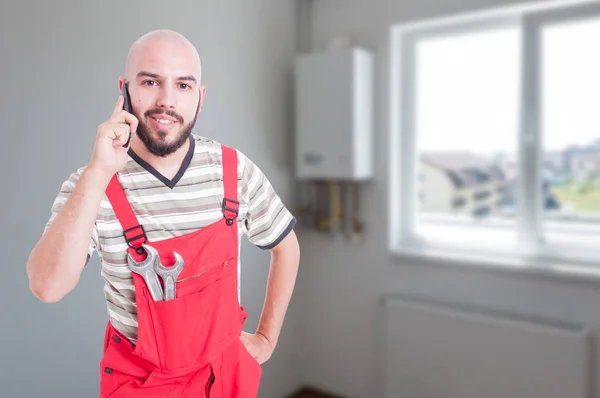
<point x="131" y="120"/>
<point x="118" y="107"/>
<point x="121" y="116"/>
<point x="120" y="134"/>
<point x="123" y="124"/>
<point x="128" y="142"/>
<point x="125" y="117"/>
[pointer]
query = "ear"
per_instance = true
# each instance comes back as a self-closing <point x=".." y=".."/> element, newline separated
<point x="122" y="81"/>
<point x="202" y="96"/>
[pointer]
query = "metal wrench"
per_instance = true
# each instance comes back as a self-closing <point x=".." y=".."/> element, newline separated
<point x="147" y="271"/>
<point x="169" y="275"/>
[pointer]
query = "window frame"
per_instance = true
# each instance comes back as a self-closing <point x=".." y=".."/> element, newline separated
<point x="531" y="250"/>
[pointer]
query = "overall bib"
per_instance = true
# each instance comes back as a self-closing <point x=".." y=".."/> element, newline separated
<point x="188" y="346"/>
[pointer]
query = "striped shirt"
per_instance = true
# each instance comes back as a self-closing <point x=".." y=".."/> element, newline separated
<point x="169" y="208"/>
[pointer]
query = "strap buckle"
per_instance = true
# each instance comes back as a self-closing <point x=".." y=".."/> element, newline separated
<point x="139" y="249"/>
<point x="234" y="210"/>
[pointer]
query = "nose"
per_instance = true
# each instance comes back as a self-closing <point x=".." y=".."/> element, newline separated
<point x="166" y="98"/>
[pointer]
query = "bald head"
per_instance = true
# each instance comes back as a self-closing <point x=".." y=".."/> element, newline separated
<point x="163" y="77"/>
<point x="158" y="41"/>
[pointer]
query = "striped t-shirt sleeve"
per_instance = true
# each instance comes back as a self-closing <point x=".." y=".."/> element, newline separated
<point x="268" y="220"/>
<point x="65" y="190"/>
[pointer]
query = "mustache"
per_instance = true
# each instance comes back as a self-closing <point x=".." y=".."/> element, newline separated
<point x="171" y="113"/>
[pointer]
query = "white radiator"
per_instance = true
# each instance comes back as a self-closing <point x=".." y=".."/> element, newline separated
<point x="434" y="350"/>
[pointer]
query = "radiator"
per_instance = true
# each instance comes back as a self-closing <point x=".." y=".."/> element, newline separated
<point x="436" y="350"/>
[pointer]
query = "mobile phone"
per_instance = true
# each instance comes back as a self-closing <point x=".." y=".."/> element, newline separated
<point x="125" y="92"/>
<point x="126" y="106"/>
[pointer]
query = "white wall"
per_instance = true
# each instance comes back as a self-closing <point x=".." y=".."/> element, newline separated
<point x="58" y="80"/>
<point x="339" y="327"/>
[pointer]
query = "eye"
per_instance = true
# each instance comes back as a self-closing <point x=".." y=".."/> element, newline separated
<point x="148" y="82"/>
<point x="184" y="86"/>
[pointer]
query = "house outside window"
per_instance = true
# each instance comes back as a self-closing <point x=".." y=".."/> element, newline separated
<point x="495" y="134"/>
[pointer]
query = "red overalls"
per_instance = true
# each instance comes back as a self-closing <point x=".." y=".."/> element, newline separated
<point x="189" y="346"/>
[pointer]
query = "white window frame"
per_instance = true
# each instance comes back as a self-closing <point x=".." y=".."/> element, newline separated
<point x="531" y="250"/>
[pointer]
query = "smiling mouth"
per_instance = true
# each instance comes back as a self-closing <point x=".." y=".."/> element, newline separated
<point x="164" y="121"/>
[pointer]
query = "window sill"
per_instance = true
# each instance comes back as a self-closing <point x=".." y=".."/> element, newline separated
<point x="563" y="270"/>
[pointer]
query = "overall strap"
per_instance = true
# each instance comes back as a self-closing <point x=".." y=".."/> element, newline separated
<point x="132" y="230"/>
<point x="230" y="205"/>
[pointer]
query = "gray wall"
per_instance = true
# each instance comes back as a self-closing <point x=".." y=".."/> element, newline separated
<point x="58" y="80"/>
<point x="50" y="113"/>
<point x="339" y="327"/>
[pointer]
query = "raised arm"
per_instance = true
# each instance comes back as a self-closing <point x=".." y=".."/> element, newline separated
<point x="58" y="258"/>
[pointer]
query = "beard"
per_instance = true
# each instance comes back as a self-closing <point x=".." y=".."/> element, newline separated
<point x="159" y="146"/>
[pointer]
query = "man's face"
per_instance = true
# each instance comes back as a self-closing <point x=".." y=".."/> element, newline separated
<point x="165" y="95"/>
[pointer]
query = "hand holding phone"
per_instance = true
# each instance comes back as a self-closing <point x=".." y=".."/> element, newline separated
<point x="112" y="140"/>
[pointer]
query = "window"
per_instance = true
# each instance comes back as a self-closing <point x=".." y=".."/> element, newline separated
<point x="570" y="168"/>
<point x="495" y="133"/>
<point x="466" y="125"/>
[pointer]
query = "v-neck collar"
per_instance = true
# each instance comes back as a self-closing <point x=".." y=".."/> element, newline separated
<point x="157" y="174"/>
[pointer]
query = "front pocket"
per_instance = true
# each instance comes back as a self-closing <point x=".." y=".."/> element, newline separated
<point x="197" y="282"/>
<point x="191" y="326"/>
<point x="162" y="322"/>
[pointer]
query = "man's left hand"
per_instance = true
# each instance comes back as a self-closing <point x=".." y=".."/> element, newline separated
<point x="258" y="346"/>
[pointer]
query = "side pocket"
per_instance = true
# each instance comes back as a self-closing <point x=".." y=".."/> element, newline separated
<point x="119" y="375"/>
<point x="209" y="385"/>
<point x="249" y="357"/>
<point x="111" y="380"/>
<point x="243" y="373"/>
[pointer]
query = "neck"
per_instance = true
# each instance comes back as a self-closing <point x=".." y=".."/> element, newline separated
<point x="169" y="165"/>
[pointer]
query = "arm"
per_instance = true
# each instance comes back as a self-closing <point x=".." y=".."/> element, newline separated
<point x="57" y="260"/>
<point x="270" y="226"/>
<point x="285" y="259"/>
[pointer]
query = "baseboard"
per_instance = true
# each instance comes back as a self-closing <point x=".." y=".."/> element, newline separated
<point x="311" y="392"/>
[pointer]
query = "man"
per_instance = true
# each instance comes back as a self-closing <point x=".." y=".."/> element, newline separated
<point x="163" y="195"/>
